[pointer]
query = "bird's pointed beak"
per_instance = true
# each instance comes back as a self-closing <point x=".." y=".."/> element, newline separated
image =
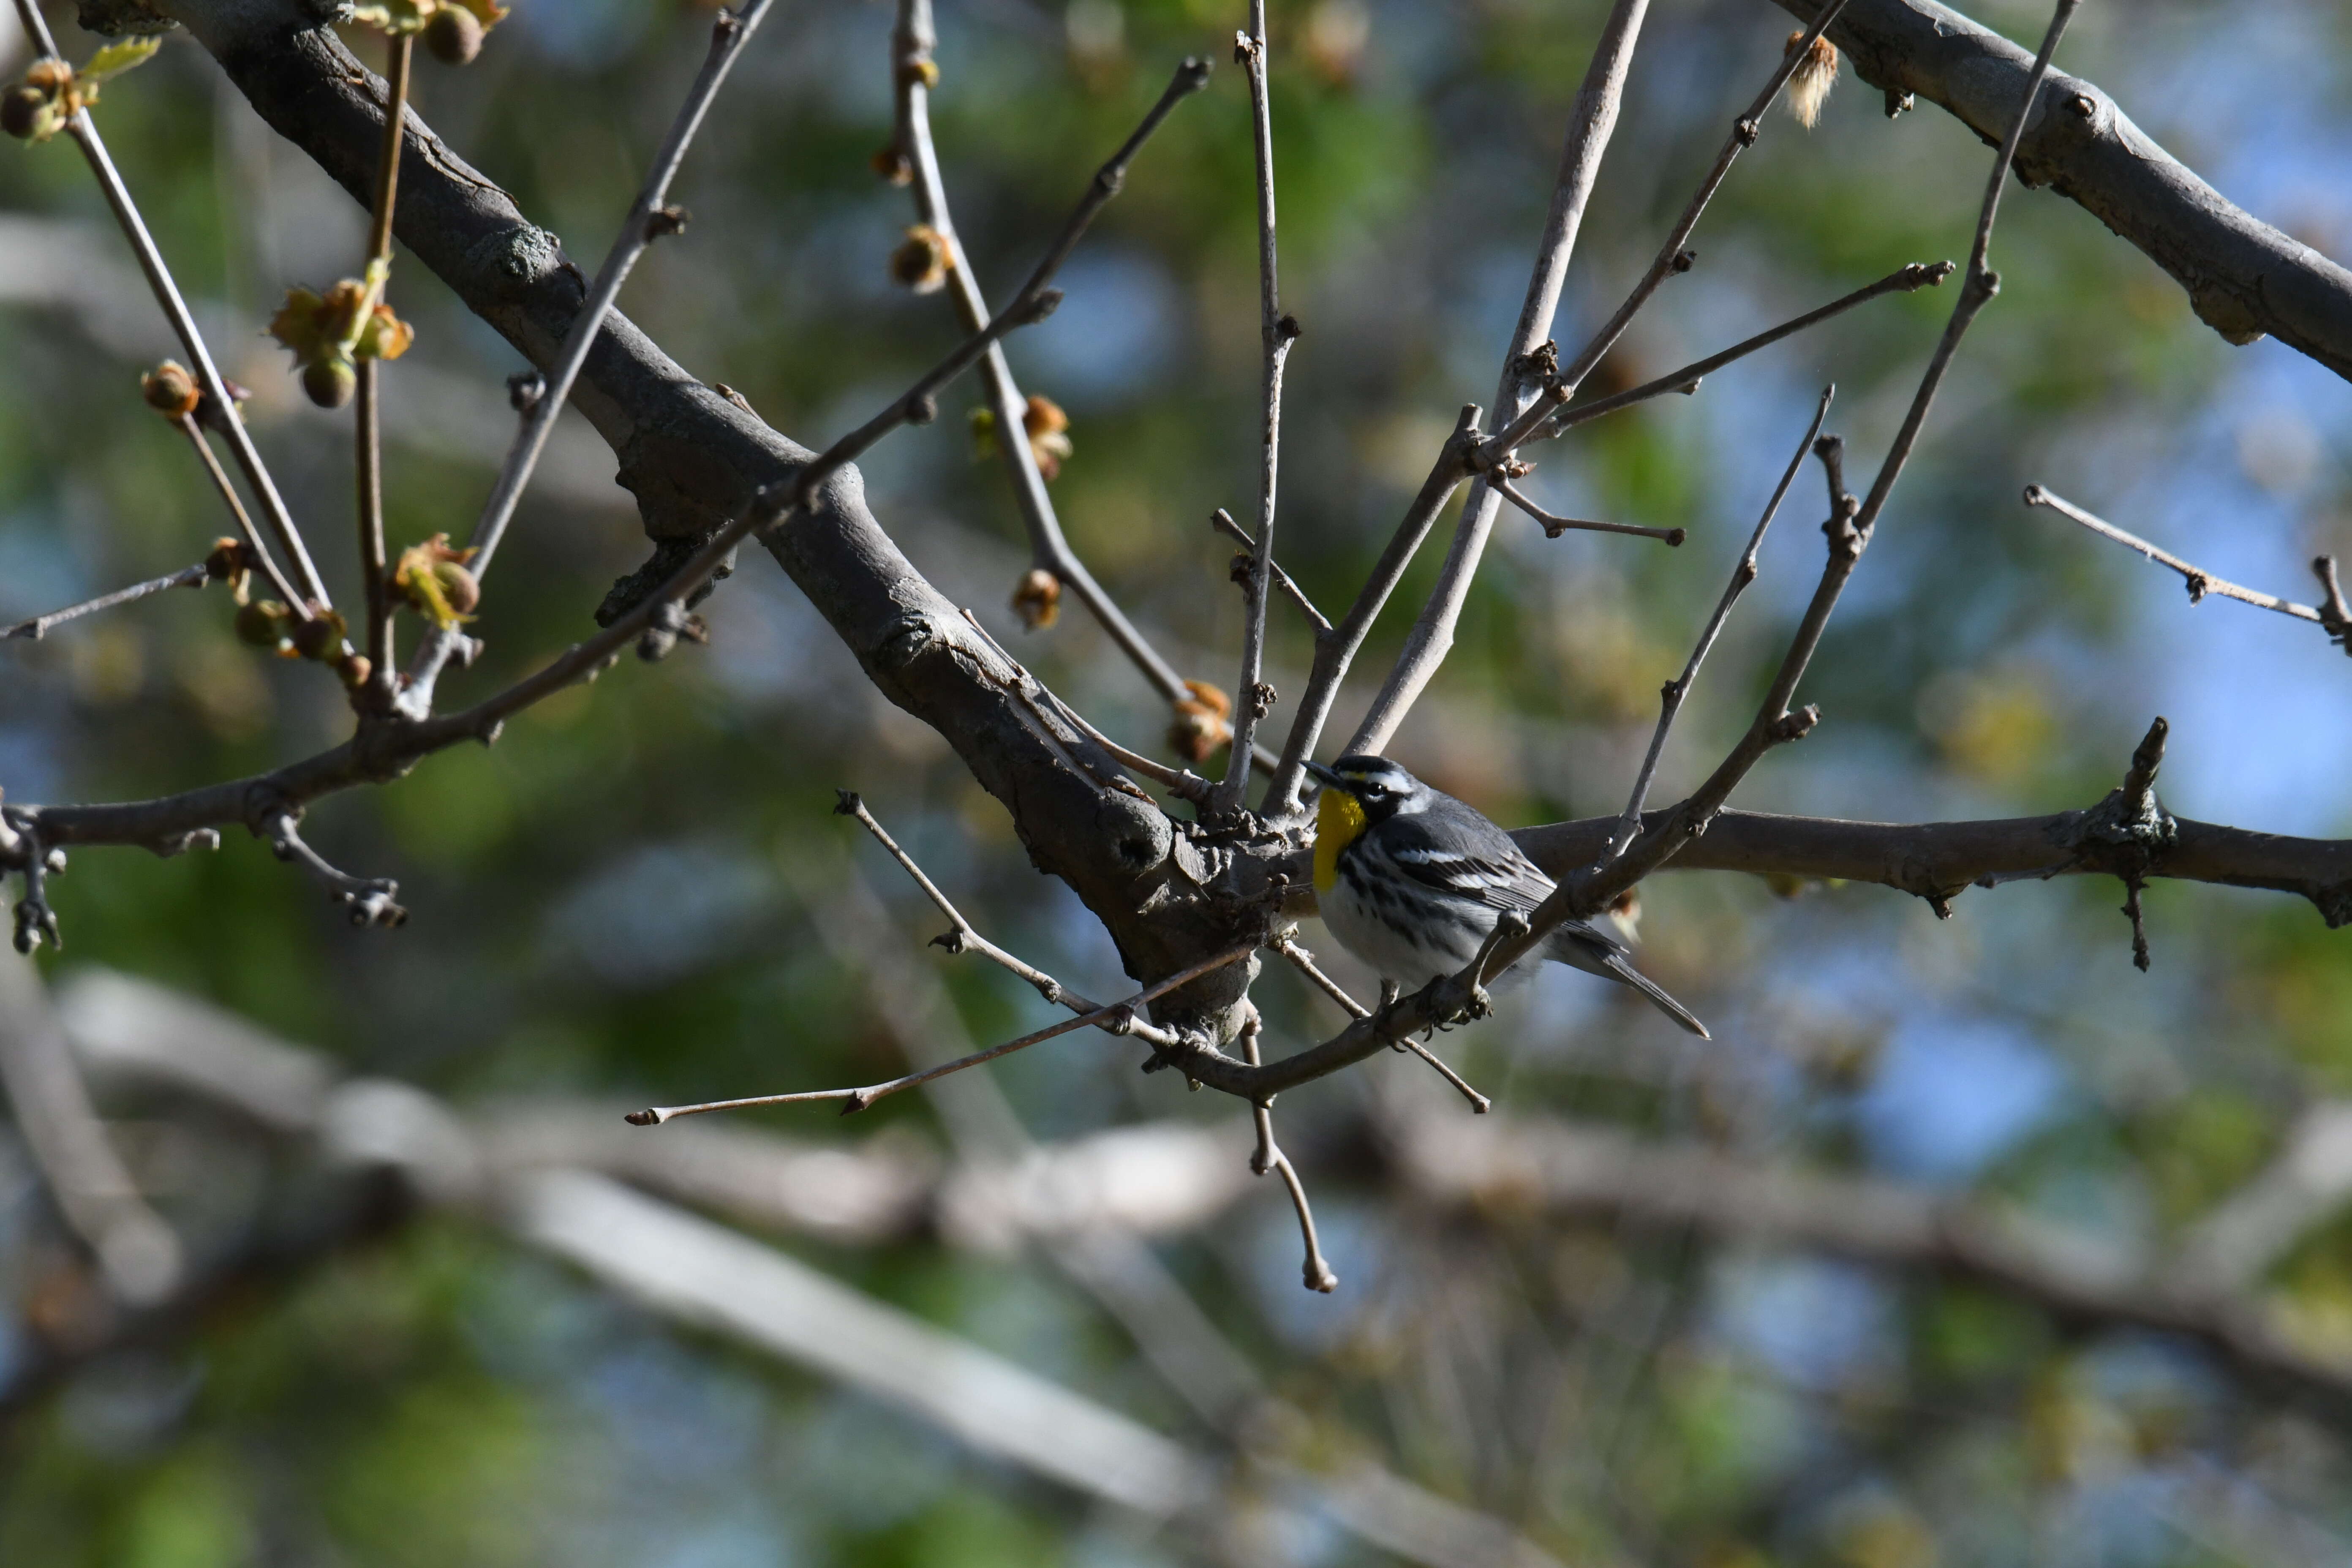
<point x="1323" y="775"/>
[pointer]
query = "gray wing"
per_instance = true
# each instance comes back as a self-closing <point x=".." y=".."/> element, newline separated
<point x="1459" y="854"/>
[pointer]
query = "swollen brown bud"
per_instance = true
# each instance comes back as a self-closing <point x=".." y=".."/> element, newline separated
<point x="459" y="586"/>
<point x="329" y="383"/>
<point x="1201" y="722"/>
<point x="21" y="110"/>
<point x="262" y="624"/>
<point x="921" y="263"/>
<point x="320" y="637"/>
<point x="170" y="389"/>
<point x="454" y="35"/>
<point x="1037" y="599"/>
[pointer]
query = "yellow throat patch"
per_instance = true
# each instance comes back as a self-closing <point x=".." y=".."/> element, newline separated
<point x="1339" y="822"/>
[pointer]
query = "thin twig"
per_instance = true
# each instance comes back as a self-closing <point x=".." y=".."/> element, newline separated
<point x="1743" y="134"/>
<point x="1036" y="695"/>
<point x="730" y="32"/>
<point x="966" y="938"/>
<point x="1276" y="332"/>
<point x="1182" y="783"/>
<point x="1905" y="280"/>
<point x="2335" y="615"/>
<point x="38" y="627"/>
<point x="1286" y="942"/>
<point x="1592" y="121"/>
<point x="1555" y="525"/>
<point x="368" y="899"/>
<point x="2201" y="581"/>
<point x="1118" y="1018"/>
<point x="194" y="432"/>
<point x="911" y="43"/>
<point x="648" y="218"/>
<point x="399" y="50"/>
<point x="1672" y="695"/>
<point x="1336" y="649"/>
<point x="1269" y="1156"/>
<point x="83" y="129"/>
<point x="776" y="504"/>
<point x="1223" y="522"/>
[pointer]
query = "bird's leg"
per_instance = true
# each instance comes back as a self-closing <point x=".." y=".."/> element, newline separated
<point x="1509" y="927"/>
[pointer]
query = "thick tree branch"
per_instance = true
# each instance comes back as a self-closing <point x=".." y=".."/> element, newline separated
<point x="2243" y="277"/>
<point x="696" y="462"/>
<point x="1938" y="860"/>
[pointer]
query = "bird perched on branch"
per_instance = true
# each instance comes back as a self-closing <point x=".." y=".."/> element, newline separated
<point x="1411" y="881"/>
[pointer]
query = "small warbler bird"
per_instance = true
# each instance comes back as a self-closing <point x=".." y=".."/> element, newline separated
<point x="1411" y="881"/>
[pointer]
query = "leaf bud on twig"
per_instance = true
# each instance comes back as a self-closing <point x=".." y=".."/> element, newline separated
<point x="320" y="637"/>
<point x="921" y="262"/>
<point x="170" y="389"/>
<point x="454" y="35"/>
<point x="262" y="624"/>
<point x="1037" y="599"/>
<point x="1201" y="722"/>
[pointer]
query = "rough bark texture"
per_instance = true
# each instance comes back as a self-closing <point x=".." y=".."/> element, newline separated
<point x="693" y="459"/>
<point x="2245" y="278"/>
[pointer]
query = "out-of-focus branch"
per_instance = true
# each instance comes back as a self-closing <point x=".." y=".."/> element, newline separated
<point x="702" y="1274"/>
<point x="137" y="1251"/>
<point x="1567" y="1170"/>
<point x="2243" y="277"/>
<point x="2307" y="1184"/>
<point x="1088" y="1201"/>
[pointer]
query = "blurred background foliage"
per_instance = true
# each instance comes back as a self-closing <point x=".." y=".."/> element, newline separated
<point x="627" y="899"/>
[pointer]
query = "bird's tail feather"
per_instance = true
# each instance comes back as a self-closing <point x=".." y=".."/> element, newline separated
<point x="1625" y="972"/>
